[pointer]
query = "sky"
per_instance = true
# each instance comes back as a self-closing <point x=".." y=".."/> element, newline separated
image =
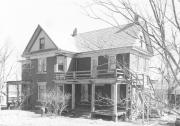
<point x="19" y="19"/>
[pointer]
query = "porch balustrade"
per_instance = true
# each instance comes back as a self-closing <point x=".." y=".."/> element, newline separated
<point x="103" y="73"/>
<point x="72" y="75"/>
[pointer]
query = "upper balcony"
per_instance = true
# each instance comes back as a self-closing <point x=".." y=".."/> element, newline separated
<point x="124" y="75"/>
<point x="102" y="73"/>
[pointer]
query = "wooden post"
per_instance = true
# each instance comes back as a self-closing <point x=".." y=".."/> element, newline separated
<point x="148" y="107"/>
<point x="64" y="100"/>
<point x="175" y="98"/>
<point x="7" y="96"/>
<point x="73" y="96"/>
<point x="18" y="93"/>
<point x="112" y="91"/>
<point x="115" y="103"/>
<point x="74" y="75"/>
<point x="143" y="100"/>
<point x="93" y="97"/>
<point x="143" y="109"/>
<point x="129" y="100"/>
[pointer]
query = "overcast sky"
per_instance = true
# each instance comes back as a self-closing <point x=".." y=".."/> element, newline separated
<point x="19" y="19"/>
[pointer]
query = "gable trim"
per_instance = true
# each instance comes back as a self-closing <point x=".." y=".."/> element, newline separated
<point x="34" y="37"/>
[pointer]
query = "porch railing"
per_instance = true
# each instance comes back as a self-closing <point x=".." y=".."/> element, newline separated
<point x="103" y="73"/>
<point x="137" y="79"/>
<point x="72" y="75"/>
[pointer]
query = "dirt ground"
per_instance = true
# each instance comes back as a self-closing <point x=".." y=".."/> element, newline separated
<point x="25" y="118"/>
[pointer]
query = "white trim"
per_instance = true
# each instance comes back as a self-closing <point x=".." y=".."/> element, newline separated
<point x="49" y="54"/>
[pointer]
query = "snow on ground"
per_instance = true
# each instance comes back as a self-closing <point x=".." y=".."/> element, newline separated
<point x="25" y="118"/>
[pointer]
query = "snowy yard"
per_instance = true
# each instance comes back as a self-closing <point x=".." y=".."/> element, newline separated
<point x="25" y="118"/>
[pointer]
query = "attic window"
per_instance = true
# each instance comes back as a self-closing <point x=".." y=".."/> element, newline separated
<point x="141" y="41"/>
<point x="42" y="43"/>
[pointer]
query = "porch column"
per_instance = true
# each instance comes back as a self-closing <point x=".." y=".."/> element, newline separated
<point x="73" y="96"/>
<point x="18" y="93"/>
<point x="93" y="97"/>
<point x="64" y="100"/>
<point x="7" y="96"/>
<point x="112" y="92"/>
<point x="115" y="102"/>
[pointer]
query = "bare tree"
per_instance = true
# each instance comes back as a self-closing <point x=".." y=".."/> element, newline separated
<point x="160" y="23"/>
<point x="5" y="69"/>
<point x="159" y="20"/>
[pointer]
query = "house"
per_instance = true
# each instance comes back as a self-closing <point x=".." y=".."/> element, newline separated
<point x="111" y="66"/>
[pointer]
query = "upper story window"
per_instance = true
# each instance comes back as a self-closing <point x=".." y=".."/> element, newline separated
<point x="122" y="60"/>
<point x="102" y="62"/>
<point x="26" y="65"/>
<point x="42" y="43"/>
<point x="60" y="64"/>
<point x="141" y="41"/>
<point x="42" y="65"/>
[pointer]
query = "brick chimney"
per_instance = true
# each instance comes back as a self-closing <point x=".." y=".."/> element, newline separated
<point x="74" y="32"/>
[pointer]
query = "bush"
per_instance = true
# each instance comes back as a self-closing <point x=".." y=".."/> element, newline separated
<point x="56" y="102"/>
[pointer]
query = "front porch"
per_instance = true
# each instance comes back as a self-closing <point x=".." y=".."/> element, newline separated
<point x="99" y="99"/>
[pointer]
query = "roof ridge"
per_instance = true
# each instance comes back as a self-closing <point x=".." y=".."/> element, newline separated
<point x="105" y="28"/>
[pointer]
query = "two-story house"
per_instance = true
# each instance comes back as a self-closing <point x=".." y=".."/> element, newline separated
<point x="110" y="68"/>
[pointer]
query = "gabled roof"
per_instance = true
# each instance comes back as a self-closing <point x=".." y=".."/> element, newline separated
<point x="113" y="37"/>
<point x="33" y="39"/>
<point x="107" y="38"/>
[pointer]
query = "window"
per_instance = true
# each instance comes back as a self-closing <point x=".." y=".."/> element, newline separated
<point x="42" y="43"/>
<point x="26" y="66"/>
<point x="60" y="63"/>
<point x="42" y="65"/>
<point x="103" y="62"/>
<point x="123" y="60"/>
<point x="112" y="62"/>
<point x="26" y="90"/>
<point x="41" y="91"/>
<point x="141" y="41"/>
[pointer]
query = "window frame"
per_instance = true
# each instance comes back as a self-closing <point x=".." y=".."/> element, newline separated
<point x="39" y="85"/>
<point x="60" y="60"/>
<point x="42" y="65"/>
<point x="42" y="43"/>
<point x="26" y="66"/>
<point x="141" y="40"/>
<point x="103" y="62"/>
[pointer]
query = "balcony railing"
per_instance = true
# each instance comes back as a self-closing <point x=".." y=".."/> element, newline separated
<point x="72" y="75"/>
<point x="103" y="73"/>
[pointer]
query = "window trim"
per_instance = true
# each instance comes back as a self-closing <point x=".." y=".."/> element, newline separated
<point x="100" y="65"/>
<point x="41" y="44"/>
<point x="41" y="84"/>
<point x="41" y="67"/>
<point x="63" y="58"/>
